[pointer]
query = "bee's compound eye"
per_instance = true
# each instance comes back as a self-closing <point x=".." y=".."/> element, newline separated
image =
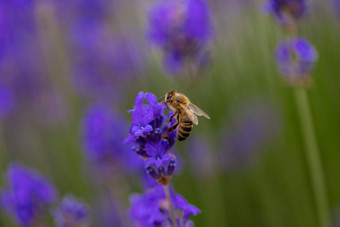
<point x="169" y="96"/>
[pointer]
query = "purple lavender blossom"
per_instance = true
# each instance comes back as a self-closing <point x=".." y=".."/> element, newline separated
<point x="103" y="64"/>
<point x="82" y="10"/>
<point x="71" y="213"/>
<point x="18" y="45"/>
<point x="296" y="59"/>
<point x="160" y="164"/>
<point x="103" y="132"/>
<point x="6" y="101"/>
<point x="21" y="65"/>
<point x="152" y="209"/>
<point x="101" y="61"/>
<point x="182" y="29"/>
<point x="285" y="10"/>
<point x="28" y="195"/>
<point x="150" y="139"/>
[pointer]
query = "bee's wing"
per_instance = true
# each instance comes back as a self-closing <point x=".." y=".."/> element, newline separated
<point x="197" y="110"/>
<point x="190" y="114"/>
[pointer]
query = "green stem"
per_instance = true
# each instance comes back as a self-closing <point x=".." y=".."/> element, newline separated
<point x="312" y="155"/>
<point x="171" y="209"/>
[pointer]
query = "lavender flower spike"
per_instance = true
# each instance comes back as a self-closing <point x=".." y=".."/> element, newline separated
<point x="102" y="133"/>
<point x="296" y="59"/>
<point x="28" y="195"/>
<point x="152" y="209"/>
<point x="150" y="139"/>
<point x="182" y="29"/>
<point x="286" y="11"/>
<point x="71" y="213"/>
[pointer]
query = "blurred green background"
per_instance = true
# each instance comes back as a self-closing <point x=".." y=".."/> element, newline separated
<point x="274" y="187"/>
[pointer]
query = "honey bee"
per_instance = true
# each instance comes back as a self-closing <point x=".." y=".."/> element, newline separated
<point x="185" y="112"/>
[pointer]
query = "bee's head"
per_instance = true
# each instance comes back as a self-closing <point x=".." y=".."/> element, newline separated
<point x="169" y="96"/>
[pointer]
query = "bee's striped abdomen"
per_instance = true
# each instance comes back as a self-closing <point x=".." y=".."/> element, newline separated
<point x="184" y="128"/>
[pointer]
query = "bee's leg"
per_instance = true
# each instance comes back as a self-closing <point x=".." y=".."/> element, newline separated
<point x="172" y="116"/>
<point x="176" y="124"/>
<point x="173" y="127"/>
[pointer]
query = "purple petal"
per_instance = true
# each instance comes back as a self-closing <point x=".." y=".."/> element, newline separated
<point x="139" y="99"/>
<point x="151" y="149"/>
<point x="198" y="21"/>
<point x="150" y="98"/>
<point x="148" y="128"/>
<point x="159" y="162"/>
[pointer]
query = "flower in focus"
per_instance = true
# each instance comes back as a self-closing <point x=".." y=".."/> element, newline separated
<point x="160" y="165"/>
<point x="6" y="101"/>
<point x="286" y="10"/>
<point x="152" y="209"/>
<point x="182" y="29"/>
<point x="296" y="59"/>
<point x="71" y="213"/>
<point x="28" y="195"/>
<point x="150" y="139"/>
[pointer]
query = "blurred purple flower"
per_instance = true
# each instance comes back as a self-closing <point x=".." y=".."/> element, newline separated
<point x="6" y="101"/>
<point x="82" y="10"/>
<point x="201" y="160"/>
<point x="22" y="65"/>
<point x="182" y="29"/>
<point x="152" y="209"/>
<point x="283" y="10"/>
<point x="296" y="59"/>
<point x="150" y="139"/>
<point x="102" y="135"/>
<point x="28" y="195"/>
<point x="257" y="125"/>
<point x="103" y="64"/>
<point x="335" y="5"/>
<point x="71" y="213"/>
<point x="101" y="60"/>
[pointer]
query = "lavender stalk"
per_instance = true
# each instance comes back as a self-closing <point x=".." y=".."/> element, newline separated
<point x="171" y="209"/>
<point x="312" y="155"/>
<point x="296" y="58"/>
